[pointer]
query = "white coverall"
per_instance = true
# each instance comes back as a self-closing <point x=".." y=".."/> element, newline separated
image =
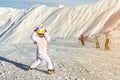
<point x="41" y="50"/>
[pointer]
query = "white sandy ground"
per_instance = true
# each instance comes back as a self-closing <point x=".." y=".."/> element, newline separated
<point x="72" y="61"/>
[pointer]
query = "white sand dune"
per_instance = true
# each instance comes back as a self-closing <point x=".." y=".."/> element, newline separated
<point x="66" y="22"/>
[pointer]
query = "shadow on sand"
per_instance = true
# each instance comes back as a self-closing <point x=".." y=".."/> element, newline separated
<point x="20" y="65"/>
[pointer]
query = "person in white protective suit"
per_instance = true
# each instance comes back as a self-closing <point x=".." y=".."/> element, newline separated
<point x="40" y="37"/>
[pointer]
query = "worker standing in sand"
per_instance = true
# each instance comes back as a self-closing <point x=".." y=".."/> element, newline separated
<point x="107" y="42"/>
<point x="40" y="37"/>
<point x="82" y="39"/>
<point x="97" y="42"/>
